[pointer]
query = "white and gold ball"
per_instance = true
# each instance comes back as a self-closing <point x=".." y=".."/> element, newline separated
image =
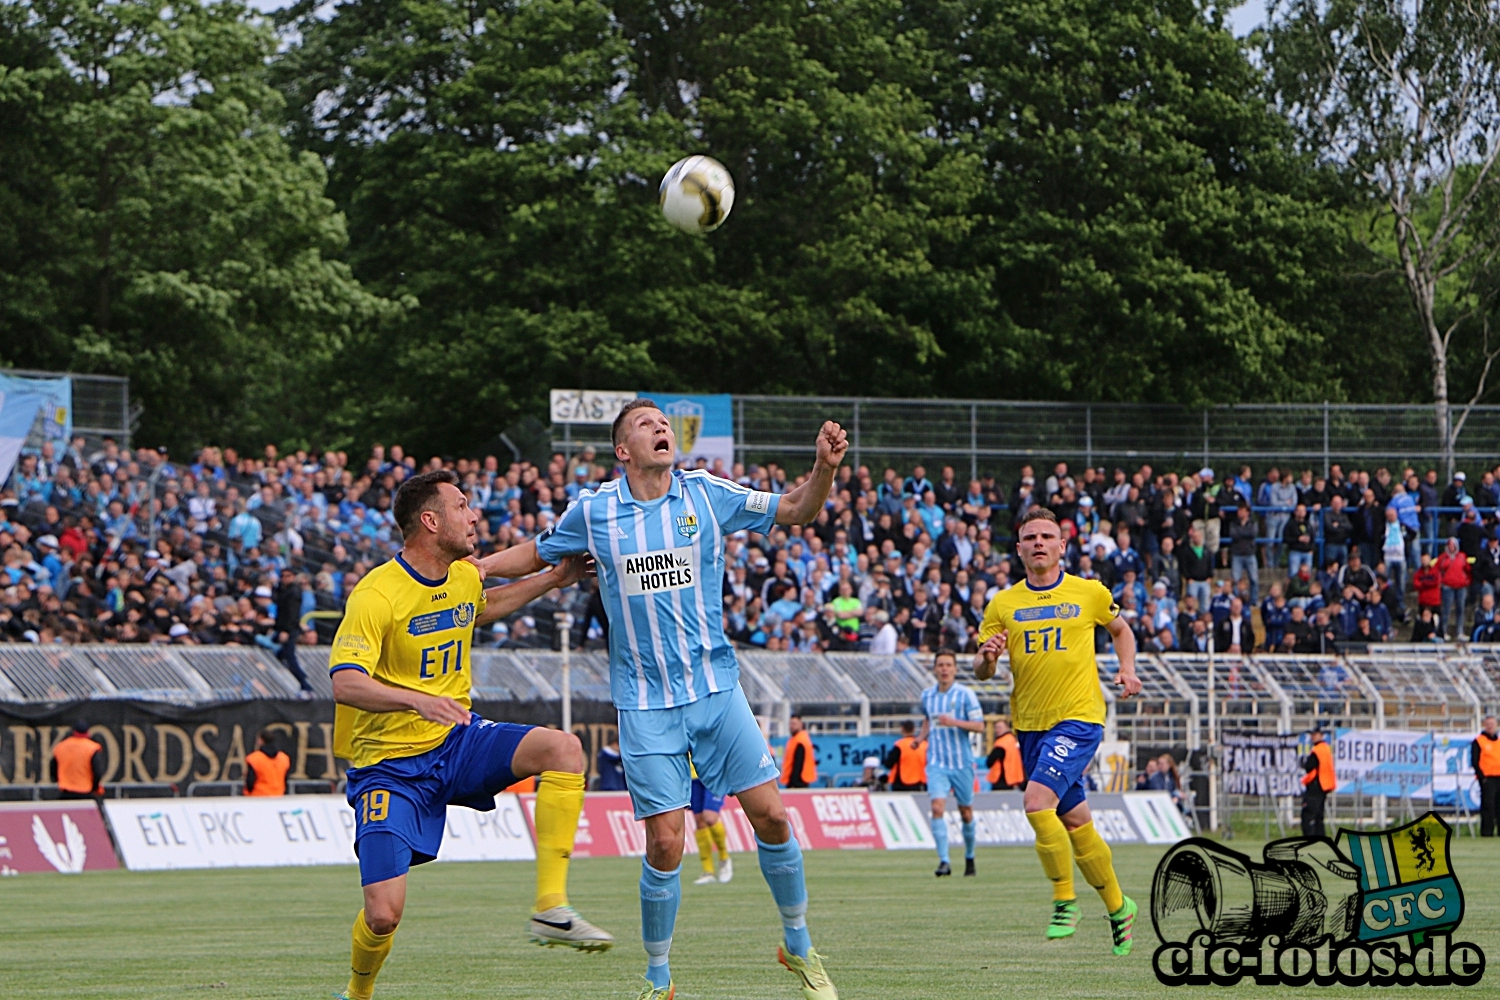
<point x="697" y="194"/>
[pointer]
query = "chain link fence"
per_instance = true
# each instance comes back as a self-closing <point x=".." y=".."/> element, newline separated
<point x="101" y="404"/>
<point x="994" y="436"/>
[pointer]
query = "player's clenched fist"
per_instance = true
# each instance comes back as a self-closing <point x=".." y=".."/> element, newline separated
<point x="989" y="654"/>
<point x="833" y="441"/>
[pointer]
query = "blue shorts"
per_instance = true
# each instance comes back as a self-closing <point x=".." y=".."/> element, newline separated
<point x="1060" y="757"/>
<point x="961" y="780"/>
<point x="408" y="797"/>
<point x="702" y="800"/>
<point x="721" y="733"/>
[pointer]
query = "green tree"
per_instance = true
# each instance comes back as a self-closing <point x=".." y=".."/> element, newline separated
<point x="1027" y="198"/>
<point x="156" y="223"/>
<point x="1406" y="99"/>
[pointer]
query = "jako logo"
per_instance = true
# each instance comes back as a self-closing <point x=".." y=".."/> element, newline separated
<point x="1376" y="909"/>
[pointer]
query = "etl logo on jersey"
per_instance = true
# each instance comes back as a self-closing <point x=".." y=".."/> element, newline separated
<point x="1377" y="909"/>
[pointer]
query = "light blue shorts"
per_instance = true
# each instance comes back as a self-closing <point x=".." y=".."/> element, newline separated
<point x="720" y="732"/>
<point x="961" y="780"/>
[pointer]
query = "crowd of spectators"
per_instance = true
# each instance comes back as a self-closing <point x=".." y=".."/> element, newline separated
<point x="110" y="545"/>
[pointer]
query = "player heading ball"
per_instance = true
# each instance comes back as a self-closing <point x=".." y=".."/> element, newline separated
<point x="673" y="673"/>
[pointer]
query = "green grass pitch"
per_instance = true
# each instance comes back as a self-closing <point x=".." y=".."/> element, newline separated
<point x="889" y="929"/>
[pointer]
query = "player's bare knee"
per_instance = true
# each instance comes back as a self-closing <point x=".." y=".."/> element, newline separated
<point x="1039" y="797"/>
<point x="663" y="851"/>
<point x="382" y="914"/>
<point x="556" y="751"/>
<point x="966" y="813"/>
<point x="568" y="755"/>
<point x="937" y="809"/>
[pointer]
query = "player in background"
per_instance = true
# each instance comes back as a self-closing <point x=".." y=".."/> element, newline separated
<point x="952" y="712"/>
<point x="402" y="679"/>
<point x="1057" y="707"/>
<point x="710" y="833"/>
<point x="657" y="537"/>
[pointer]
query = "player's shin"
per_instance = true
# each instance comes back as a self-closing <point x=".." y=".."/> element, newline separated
<point x="940" y="837"/>
<point x="721" y="838"/>
<point x="781" y="864"/>
<point x="705" y="849"/>
<point x="969" y="839"/>
<point x="1096" y="861"/>
<point x="559" y="801"/>
<point x="661" y="892"/>
<point x="1052" y="849"/>
<point x="368" y="955"/>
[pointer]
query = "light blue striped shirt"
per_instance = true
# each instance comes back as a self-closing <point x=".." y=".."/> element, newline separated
<point x="948" y="746"/>
<point x="661" y="575"/>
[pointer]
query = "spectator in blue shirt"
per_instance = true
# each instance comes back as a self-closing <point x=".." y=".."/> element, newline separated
<point x="1126" y="557"/>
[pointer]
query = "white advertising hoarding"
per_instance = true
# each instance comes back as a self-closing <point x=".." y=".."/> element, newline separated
<point x="587" y="406"/>
<point x="250" y="832"/>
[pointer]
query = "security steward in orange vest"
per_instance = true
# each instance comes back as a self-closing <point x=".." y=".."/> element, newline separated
<point x="908" y="761"/>
<point x="1484" y="757"/>
<point x="1316" y="784"/>
<point x="78" y="765"/>
<point x="266" y="768"/>
<point x="799" y="766"/>
<point x="1005" y="759"/>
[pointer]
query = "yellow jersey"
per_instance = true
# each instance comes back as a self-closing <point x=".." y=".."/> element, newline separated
<point x="409" y="632"/>
<point x="1050" y="638"/>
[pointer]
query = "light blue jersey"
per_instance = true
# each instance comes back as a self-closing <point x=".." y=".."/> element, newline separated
<point x="661" y="575"/>
<point x="948" y="746"/>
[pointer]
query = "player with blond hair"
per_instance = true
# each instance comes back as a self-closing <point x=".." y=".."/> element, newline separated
<point x="1046" y="622"/>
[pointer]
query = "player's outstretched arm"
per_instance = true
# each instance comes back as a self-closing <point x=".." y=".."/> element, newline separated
<point x="511" y="597"/>
<point x="1124" y="642"/>
<point x="359" y="690"/>
<point x="512" y="563"/>
<point x="801" y="505"/>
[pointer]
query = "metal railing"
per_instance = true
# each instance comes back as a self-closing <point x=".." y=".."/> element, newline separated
<point x="986" y="435"/>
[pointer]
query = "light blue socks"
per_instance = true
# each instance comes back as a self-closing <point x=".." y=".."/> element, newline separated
<point x="781" y="864"/>
<point x="969" y="839"/>
<point x="661" y="892"/>
<point x="940" y="837"/>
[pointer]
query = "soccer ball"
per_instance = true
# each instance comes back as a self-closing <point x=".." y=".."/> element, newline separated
<point x="697" y="194"/>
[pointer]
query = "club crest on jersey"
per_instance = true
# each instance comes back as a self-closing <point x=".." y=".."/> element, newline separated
<point x="1068" y="611"/>
<point x="461" y="616"/>
<point x="687" y="525"/>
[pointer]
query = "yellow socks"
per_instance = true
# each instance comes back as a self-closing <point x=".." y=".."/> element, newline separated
<point x="721" y="838"/>
<point x="706" y="850"/>
<point x="370" y="950"/>
<point x="1096" y="861"/>
<point x="559" y="800"/>
<point x="1052" y="848"/>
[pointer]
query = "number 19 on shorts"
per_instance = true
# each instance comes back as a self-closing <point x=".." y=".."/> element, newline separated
<point x="374" y="806"/>
<point x="1043" y="640"/>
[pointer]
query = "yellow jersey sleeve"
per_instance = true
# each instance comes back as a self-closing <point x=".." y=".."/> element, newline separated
<point x="994" y="619"/>
<point x="1103" y="607"/>
<point x="362" y="633"/>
